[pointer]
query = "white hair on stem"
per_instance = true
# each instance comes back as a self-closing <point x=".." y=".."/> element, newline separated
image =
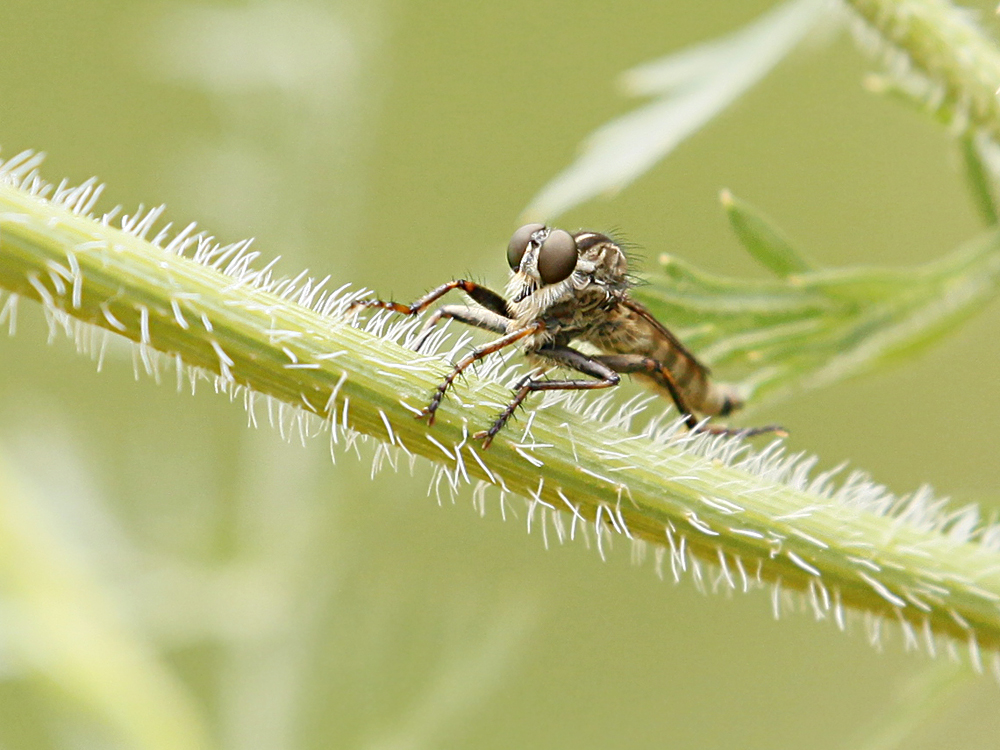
<point x="715" y="538"/>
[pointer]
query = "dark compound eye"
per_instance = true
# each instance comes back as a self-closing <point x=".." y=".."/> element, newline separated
<point x="519" y="243"/>
<point x="557" y="258"/>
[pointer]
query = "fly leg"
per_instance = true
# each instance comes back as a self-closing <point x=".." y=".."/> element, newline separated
<point x="638" y="363"/>
<point x="472" y="316"/>
<point x="493" y="318"/>
<point x="561" y="355"/>
<point x="485" y="297"/>
<point x="474" y="356"/>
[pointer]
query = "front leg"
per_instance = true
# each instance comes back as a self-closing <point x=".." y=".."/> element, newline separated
<point x="484" y="296"/>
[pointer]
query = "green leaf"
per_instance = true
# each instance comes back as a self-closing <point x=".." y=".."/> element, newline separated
<point x="691" y="87"/>
<point x="981" y="176"/>
<point x="763" y="240"/>
<point x="804" y="331"/>
<point x="64" y="624"/>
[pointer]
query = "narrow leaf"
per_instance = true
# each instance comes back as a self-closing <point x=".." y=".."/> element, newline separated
<point x="762" y="239"/>
<point x="980" y="177"/>
<point x="693" y="86"/>
<point x="63" y="623"/>
<point x="820" y="326"/>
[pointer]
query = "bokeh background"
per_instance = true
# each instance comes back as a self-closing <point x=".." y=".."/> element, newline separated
<point x="288" y="602"/>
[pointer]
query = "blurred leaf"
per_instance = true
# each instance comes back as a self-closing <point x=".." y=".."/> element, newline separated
<point x="820" y="326"/>
<point x="919" y="702"/>
<point x="692" y="87"/>
<point x="65" y="625"/>
<point x="981" y="158"/>
<point x="763" y="241"/>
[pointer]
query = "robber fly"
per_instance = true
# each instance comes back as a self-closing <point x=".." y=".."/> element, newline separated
<point x="575" y="287"/>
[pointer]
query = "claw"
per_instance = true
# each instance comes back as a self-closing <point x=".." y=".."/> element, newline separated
<point x="486" y="436"/>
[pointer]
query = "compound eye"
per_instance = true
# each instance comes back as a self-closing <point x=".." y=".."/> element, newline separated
<point x="519" y="243"/>
<point x="557" y="258"/>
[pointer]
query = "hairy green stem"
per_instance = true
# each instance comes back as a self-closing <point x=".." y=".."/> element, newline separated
<point x="752" y="519"/>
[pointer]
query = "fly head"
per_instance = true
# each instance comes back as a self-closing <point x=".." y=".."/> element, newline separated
<point x="550" y="266"/>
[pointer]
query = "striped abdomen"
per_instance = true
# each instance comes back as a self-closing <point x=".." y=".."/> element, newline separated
<point x="629" y="329"/>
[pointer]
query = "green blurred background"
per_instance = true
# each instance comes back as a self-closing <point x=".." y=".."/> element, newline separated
<point x="293" y="603"/>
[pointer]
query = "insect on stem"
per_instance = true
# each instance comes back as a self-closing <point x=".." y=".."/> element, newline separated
<point x="566" y="288"/>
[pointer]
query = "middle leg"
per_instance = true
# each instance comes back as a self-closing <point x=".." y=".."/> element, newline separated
<point x="561" y="355"/>
<point x="474" y="356"/>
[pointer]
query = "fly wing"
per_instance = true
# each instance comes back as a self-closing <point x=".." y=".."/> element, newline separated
<point x="670" y="349"/>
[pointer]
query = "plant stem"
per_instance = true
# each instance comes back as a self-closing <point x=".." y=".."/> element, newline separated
<point x="753" y="519"/>
<point x="944" y="44"/>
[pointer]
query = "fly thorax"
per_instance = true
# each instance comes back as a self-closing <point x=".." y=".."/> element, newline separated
<point x="602" y="261"/>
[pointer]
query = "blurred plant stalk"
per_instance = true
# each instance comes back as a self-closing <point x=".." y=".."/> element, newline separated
<point x="944" y="44"/>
